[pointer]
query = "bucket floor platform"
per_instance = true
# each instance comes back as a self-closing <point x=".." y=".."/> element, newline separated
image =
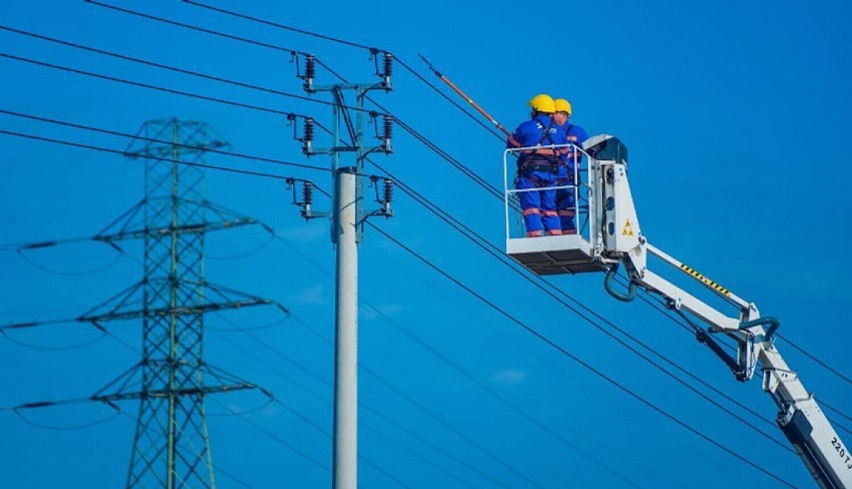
<point x="550" y="255"/>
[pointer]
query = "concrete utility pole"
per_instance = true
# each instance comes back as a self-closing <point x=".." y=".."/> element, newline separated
<point x="348" y="218"/>
<point x="346" y="333"/>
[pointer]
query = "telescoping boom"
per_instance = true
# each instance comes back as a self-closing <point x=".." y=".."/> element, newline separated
<point x="614" y="237"/>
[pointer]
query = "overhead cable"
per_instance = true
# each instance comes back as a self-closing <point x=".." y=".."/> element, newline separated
<point x="581" y="362"/>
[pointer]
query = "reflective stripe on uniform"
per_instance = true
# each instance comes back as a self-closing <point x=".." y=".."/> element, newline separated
<point x="531" y="211"/>
<point x="554" y="232"/>
<point x="533" y="234"/>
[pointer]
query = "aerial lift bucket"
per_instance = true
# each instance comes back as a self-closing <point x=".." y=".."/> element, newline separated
<point x="574" y="253"/>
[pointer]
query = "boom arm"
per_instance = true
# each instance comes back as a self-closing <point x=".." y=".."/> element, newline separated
<point x="616" y="237"/>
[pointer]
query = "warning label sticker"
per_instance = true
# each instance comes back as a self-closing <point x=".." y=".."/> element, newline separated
<point x="627" y="230"/>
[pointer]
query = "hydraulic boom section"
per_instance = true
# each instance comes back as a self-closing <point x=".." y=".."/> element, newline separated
<point x="615" y="238"/>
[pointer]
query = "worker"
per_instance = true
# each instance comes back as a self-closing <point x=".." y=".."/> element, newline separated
<point x="571" y="157"/>
<point x="537" y="168"/>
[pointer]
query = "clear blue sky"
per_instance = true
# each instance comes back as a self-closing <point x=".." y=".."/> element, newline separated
<point x="735" y="114"/>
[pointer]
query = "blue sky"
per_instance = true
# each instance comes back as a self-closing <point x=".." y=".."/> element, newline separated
<point x="734" y="114"/>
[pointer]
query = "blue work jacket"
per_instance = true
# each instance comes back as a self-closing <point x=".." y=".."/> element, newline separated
<point x="574" y="134"/>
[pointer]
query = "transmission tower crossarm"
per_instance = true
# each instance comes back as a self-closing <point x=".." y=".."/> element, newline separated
<point x="164" y="393"/>
<point x="202" y="227"/>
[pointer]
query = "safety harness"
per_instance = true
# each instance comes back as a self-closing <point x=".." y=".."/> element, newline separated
<point x="536" y="162"/>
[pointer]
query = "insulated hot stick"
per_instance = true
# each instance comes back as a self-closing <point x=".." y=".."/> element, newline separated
<point x="464" y="96"/>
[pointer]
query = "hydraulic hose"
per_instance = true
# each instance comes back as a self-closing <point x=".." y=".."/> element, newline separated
<point x="631" y="288"/>
<point x="773" y="323"/>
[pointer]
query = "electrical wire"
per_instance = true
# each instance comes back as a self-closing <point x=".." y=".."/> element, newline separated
<point x="416" y="134"/>
<point x="244" y="254"/>
<point x="372" y="50"/>
<point x="814" y="358"/>
<point x="77" y="273"/>
<point x="118" y="152"/>
<point x="281" y="441"/>
<point x="220" y="470"/>
<point x="579" y="361"/>
<point x="142" y="85"/>
<point x="305" y="455"/>
<point x="77" y="427"/>
<point x="194" y="27"/>
<point x="552" y="291"/>
<point x="282" y="26"/>
<point x="448" y="98"/>
<point x="262" y="327"/>
<point x="128" y="135"/>
<point x="43" y="404"/>
<point x="176" y="69"/>
<point x="494" y="481"/>
<point x="422" y="408"/>
<point x="472" y="378"/>
<point x="269" y="400"/>
<point x="33" y="346"/>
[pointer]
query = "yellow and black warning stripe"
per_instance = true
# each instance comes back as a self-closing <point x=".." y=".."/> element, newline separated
<point x="714" y="285"/>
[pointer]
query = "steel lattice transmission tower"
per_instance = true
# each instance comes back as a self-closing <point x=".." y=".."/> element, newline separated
<point x="171" y="447"/>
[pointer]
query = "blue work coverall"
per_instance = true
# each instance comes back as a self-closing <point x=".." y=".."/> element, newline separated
<point x="566" y="206"/>
<point x="537" y="171"/>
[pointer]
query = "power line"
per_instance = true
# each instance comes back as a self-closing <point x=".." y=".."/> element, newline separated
<point x="417" y="135"/>
<point x="448" y="99"/>
<point x="158" y="65"/>
<point x="285" y="27"/>
<point x="195" y="28"/>
<point x="472" y="378"/>
<point x="122" y="153"/>
<point x="33" y="346"/>
<point x="352" y="44"/>
<point x="281" y="441"/>
<point x="110" y="264"/>
<point x="481" y="242"/>
<point x="579" y="361"/>
<point x="323" y="431"/>
<point x="402" y="395"/>
<point x="368" y="408"/>
<point x="179" y="145"/>
<point x="176" y="69"/>
<point x="814" y="358"/>
<point x="143" y="85"/>
<point x="230" y="476"/>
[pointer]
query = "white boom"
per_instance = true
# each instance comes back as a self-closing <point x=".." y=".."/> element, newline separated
<point x="614" y="236"/>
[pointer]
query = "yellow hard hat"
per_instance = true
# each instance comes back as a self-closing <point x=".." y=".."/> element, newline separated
<point x="542" y="103"/>
<point x="562" y="105"/>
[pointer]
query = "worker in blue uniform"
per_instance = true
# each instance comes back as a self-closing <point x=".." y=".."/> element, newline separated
<point x="537" y="168"/>
<point x="571" y="158"/>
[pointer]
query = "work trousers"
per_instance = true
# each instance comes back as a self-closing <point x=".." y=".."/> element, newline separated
<point x="538" y="206"/>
